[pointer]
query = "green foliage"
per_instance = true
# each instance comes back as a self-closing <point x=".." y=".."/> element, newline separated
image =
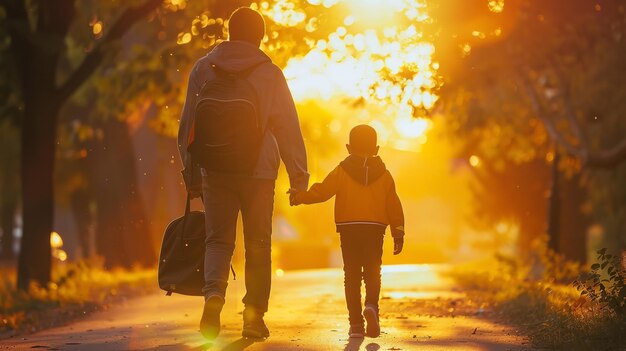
<point x="605" y="284"/>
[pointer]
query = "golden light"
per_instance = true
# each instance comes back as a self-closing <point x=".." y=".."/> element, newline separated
<point x="502" y="228"/>
<point x="375" y="12"/>
<point x="496" y="6"/>
<point x="55" y="240"/>
<point x="279" y="272"/>
<point x="282" y="12"/>
<point x="377" y="55"/>
<point x="183" y="38"/>
<point x="97" y="28"/>
<point x="474" y="161"/>
<point x="176" y="4"/>
<point x="59" y="254"/>
<point x="466" y="49"/>
<point x="412" y="127"/>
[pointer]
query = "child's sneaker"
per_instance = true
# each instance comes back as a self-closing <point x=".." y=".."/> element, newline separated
<point x="371" y="316"/>
<point x="357" y="331"/>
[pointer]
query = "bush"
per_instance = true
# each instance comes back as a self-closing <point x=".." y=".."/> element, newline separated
<point x="544" y="303"/>
<point x="76" y="289"/>
<point x="605" y="284"/>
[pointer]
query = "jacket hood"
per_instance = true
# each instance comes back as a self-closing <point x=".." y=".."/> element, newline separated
<point x="364" y="170"/>
<point x="236" y="56"/>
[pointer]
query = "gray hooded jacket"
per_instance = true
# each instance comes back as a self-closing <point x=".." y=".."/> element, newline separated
<point x="283" y="138"/>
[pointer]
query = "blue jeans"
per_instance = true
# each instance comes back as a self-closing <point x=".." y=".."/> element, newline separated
<point x="224" y="197"/>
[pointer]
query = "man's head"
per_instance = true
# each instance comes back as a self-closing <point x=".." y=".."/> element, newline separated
<point x="246" y="24"/>
<point x="363" y="141"/>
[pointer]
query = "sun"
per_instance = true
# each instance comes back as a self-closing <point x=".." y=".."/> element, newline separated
<point x="378" y="54"/>
<point x="412" y="127"/>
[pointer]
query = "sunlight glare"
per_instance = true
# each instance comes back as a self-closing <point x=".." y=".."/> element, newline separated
<point x="412" y="127"/>
<point x="496" y="6"/>
<point x="55" y="240"/>
<point x="385" y="67"/>
<point x="474" y="161"/>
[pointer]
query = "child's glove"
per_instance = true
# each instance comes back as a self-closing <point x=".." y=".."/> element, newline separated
<point x="398" y="243"/>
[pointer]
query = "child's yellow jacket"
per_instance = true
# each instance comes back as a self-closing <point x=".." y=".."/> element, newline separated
<point x="365" y="194"/>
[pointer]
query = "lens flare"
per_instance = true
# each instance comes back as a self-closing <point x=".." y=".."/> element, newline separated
<point x="55" y="240"/>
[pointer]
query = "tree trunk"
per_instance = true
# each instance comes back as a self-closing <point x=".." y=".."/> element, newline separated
<point x="8" y="224"/>
<point x="554" y="207"/>
<point x="567" y="224"/>
<point x="122" y="235"/>
<point x="573" y="222"/>
<point x="8" y="200"/>
<point x="37" y="162"/>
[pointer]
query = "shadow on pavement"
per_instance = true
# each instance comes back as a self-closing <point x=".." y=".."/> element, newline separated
<point x="239" y="344"/>
<point x="354" y="344"/>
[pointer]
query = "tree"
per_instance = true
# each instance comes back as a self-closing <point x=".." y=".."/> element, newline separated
<point x="9" y="186"/>
<point x="552" y="66"/>
<point x="38" y="31"/>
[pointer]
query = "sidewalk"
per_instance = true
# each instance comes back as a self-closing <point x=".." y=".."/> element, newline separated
<point x="307" y="312"/>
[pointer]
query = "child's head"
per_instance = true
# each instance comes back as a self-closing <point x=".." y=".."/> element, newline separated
<point x="363" y="141"/>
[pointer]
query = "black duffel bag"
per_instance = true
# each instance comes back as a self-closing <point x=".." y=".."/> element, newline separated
<point x="181" y="263"/>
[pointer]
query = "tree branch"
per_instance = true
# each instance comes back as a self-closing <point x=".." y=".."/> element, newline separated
<point x="608" y="158"/>
<point x="93" y="60"/>
<point x="547" y="122"/>
<point x="601" y="159"/>
<point x="574" y="125"/>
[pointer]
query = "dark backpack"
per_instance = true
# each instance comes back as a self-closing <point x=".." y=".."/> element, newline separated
<point x="226" y="134"/>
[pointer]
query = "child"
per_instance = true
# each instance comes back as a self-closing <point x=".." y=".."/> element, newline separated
<point x="366" y="202"/>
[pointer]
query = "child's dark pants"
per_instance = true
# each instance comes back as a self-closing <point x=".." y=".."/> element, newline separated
<point x="362" y="251"/>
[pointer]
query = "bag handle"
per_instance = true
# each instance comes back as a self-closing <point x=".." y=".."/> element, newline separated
<point x="187" y="206"/>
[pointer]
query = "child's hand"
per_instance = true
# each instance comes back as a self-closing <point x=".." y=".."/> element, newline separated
<point x="398" y="243"/>
<point x="292" y="196"/>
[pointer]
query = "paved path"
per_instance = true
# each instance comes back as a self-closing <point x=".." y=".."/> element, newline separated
<point x="307" y="313"/>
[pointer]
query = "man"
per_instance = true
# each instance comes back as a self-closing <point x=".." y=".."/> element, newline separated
<point x="225" y="196"/>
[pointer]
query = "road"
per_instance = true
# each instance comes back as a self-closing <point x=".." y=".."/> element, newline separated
<point x="307" y="312"/>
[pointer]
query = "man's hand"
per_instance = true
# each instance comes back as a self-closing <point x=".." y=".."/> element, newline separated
<point x="398" y="243"/>
<point x="292" y="196"/>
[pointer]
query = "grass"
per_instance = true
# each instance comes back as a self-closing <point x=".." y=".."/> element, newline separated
<point x="77" y="289"/>
<point x="540" y="299"/>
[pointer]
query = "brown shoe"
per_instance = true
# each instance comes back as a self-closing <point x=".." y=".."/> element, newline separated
<point x="253" y="324"/>
<point x="210" y="321"/>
